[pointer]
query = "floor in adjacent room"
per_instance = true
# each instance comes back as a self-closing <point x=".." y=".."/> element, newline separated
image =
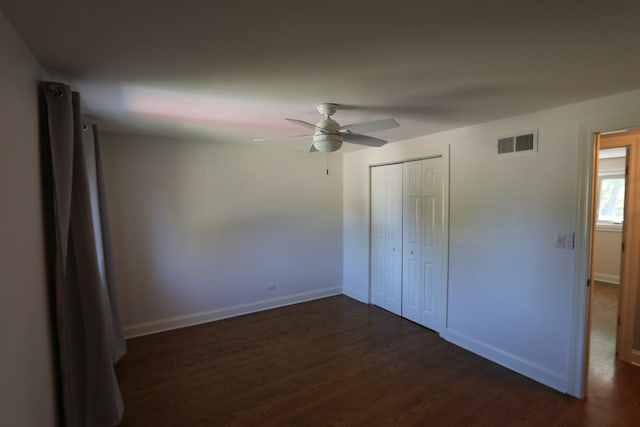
<point x="604" y="313"/>
<point x="613" y="384"/>
<point x="336" y="361"/>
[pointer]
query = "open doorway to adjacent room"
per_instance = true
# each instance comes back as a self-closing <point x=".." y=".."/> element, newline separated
<point x="614" y="253"/>
<point x="607" y="252"/>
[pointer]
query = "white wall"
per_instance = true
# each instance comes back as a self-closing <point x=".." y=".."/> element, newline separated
<point x="607" y="255"/>
<point x="201" y="228"/>
<point x="511" y="292"/>
<point x="26" y="368"/>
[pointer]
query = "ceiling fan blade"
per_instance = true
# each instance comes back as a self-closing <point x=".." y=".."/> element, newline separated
<point x="278" y="138"/>
<point x="367" y="127"/>
<point x="356" y="138"/>
<point x="304" y="124"/>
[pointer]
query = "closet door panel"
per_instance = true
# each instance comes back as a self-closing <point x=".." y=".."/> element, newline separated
<point x="412" y="276"/>
<point x="386" y="237"/>
<point x="378" y="236"/>
<point x="394" y="238"/>
<point x="433" y="244"/>
<point x="427" y="294"/>
<point x="429" y="253"/>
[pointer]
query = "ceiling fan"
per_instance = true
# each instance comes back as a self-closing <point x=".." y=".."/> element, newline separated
<point x="329" y="135"/>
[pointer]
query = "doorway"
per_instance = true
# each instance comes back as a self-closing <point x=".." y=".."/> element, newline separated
<point x="607" y="251"/>
<point x="614" y="253"/>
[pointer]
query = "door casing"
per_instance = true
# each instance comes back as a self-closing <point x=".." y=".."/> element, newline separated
<point x="578" y="356"/>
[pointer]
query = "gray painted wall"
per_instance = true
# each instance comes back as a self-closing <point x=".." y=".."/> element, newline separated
<point x="26" y="369"/>
<point x="201" y="228"/>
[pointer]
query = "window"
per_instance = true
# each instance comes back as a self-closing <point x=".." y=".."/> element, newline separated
<point x="611" y="199"/>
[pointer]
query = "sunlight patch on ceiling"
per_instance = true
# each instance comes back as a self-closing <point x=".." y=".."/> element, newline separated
<point x="202" y="110"/>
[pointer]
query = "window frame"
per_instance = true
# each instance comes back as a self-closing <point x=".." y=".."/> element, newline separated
<point x="608" y="225"/>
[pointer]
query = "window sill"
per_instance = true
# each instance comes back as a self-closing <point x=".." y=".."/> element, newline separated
<point x="609" y="227"/>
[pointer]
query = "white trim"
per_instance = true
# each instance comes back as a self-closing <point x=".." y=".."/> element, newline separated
<point x="225" y="312"/>
<point x="447" y="230"/>
<point x="525" y="367"/>
<point x="607" y="278"/>
<point x="578" y="335"/>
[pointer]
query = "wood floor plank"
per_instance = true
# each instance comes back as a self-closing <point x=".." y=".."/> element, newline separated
<point x="338" y="362"/>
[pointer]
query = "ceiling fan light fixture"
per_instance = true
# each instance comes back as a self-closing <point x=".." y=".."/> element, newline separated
<point x="327" y="142"/>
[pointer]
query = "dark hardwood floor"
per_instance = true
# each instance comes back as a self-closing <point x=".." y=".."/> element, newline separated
<point x="336" y="361"/>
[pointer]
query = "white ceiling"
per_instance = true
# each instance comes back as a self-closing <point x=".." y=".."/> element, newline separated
<point x="233" y="70"/>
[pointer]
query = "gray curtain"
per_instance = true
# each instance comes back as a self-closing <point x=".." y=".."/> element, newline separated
<point x="88" y="333"/>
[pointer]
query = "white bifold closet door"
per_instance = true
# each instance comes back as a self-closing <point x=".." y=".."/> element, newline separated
<point x="386" y="237"/>
<point x="424" y="243"/>
<point x="409" y="240"/>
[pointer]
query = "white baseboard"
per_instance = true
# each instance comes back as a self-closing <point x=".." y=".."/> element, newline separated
<point x="508" y="360"/>
<point x="607" y="278"/>
<point x="356" y="294"/>
<point x="225" y="312"/>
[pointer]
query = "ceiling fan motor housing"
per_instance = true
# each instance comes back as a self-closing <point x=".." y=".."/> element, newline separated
<point x="327" y="138"/>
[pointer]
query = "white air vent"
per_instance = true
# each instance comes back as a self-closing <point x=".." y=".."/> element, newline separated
<point x="526" y="141"/>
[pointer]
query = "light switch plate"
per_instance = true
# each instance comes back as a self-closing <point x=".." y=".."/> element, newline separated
<point x="569" y="239"/>
<point x="565" y="240"/>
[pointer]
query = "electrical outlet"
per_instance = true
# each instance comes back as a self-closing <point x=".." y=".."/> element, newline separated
<point x="271" y="286"/>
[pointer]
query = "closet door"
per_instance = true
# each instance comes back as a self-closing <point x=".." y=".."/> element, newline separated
<point x="411" y="265"/>
<point x="434" y="244"/>
<point x="378" y="235"/>
<point x="386" y="232"/>
<point x="423" y="289"/>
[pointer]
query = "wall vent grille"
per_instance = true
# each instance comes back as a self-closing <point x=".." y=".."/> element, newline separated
<point x="525" y="141"/>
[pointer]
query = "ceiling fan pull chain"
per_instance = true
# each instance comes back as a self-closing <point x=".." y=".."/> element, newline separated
<point x="327" y="163"/>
